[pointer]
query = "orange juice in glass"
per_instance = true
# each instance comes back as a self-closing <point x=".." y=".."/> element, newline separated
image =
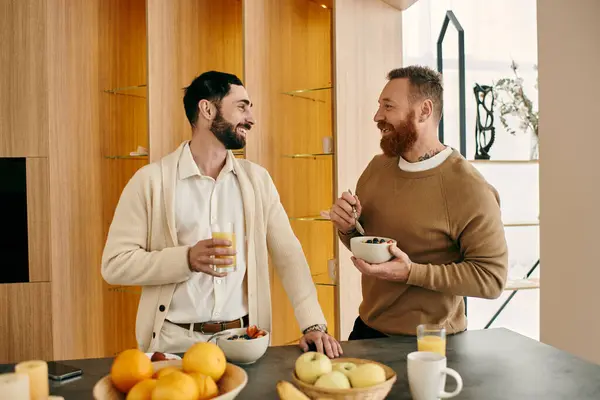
<point x="431" y="338"/>
<point x="225" y="231"/>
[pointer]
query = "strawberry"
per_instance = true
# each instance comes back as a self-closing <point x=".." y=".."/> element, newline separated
<point x="251" y="331"/>
<point x="157" y="356"/>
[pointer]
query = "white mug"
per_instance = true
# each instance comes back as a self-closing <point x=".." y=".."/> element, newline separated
<point x="427" y="376"/>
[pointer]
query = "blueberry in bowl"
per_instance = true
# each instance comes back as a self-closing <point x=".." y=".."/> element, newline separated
<point x="372" y="249"/>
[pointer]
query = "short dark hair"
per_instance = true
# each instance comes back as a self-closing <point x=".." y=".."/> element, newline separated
<point x="211" y="86"/>
<point x="425" y="84"/>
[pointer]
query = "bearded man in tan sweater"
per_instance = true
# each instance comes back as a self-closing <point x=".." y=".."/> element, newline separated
<point x="443" y="214"/>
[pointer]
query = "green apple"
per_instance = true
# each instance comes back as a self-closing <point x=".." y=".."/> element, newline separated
<point x="344" y="367"/>
<point x="311" y="365"/>
<point x="333" y="380"/>
<point x="366" y="375"/>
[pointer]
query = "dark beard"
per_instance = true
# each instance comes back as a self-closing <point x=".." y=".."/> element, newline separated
<point x="401" y="139"/>
<point x="226" y="132"/>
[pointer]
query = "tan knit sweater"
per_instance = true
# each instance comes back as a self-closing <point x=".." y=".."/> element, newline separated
<point x="447" y="219"/>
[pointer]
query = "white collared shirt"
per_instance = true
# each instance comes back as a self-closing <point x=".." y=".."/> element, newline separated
<point x="199" y="202"/>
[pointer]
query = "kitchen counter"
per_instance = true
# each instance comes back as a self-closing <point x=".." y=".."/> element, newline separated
<point x="494" y="364"/>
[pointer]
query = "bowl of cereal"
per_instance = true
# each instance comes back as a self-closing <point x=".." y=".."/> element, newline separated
<point x="372" y="249"/>
<point x="244" y="345"/>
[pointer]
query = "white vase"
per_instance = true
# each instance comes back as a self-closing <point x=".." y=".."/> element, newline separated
<point x="534" y="153"/>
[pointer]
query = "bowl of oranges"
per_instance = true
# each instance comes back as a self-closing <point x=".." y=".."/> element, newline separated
<point x="202" y="373"/>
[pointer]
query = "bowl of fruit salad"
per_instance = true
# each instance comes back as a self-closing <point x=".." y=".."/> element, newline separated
<point x="372" y="249"/>
<point x="244" y="345"/>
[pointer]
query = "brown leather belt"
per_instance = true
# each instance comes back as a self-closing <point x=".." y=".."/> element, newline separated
<point x="215" y="327"/>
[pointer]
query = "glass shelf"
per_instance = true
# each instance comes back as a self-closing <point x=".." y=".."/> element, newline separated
<point x="310" y="218"/>
<point x="504" y="161"/>
<point x="306" y="93"/>
<point x="126" y="157"/>
<point x="308" y="155"/>
<point x="522" y="284"/>
<point x="133" y="91"/>
<point x="322" y="279"/>
<point x="519" y="224"/>
<point x="325" y="284"/>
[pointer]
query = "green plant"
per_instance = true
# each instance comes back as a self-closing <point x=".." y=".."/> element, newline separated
<point x="513" y="102"/>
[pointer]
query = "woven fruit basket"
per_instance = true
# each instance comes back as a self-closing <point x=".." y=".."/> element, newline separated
<point x="376" y="392"/>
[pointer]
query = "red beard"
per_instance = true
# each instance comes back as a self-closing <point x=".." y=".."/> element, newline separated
<point x="401" y="139"/>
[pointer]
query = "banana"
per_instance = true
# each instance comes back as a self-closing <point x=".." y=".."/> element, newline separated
<point x="287" y="391"/>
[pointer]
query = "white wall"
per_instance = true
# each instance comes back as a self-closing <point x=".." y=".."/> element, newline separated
<point x="569" y="56"/>
<point x="496" y="32"/>
<point x="364" y="32"/>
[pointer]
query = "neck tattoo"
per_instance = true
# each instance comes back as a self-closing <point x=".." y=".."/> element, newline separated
<point x="430" y="154"/>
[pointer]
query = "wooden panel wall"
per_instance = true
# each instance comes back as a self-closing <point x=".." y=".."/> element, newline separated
<point x="257" y="71"/>
<point x="368" y="42"/>
<point x="38" y="219"/>
<point x="297" y="56"/>
<point x="23" y="83"/>
<point x="75" y="176"/>
<point x="25" y="308"/>
<point x="25" y="322"/>
<point x="186" y="38"/>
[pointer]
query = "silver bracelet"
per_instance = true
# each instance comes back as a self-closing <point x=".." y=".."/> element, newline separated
<point x="316" y="328"/>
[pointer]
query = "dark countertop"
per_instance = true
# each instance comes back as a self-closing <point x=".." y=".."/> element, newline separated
<point x="494" y="364"/>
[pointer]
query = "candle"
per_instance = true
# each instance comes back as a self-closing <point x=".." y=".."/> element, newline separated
<point x="38" y="378"/>
<point x="14" y="386"/>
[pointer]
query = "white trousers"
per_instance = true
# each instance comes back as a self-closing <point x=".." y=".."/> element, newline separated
<point x="175" y="339"/>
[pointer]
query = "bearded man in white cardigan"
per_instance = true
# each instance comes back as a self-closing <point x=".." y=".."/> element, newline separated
<point x="160" y="236"/>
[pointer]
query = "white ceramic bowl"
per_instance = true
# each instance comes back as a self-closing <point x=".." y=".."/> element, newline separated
<point x="371" y="252"/>
<point x="230" y="385"/>
<point x="243" y="351"/>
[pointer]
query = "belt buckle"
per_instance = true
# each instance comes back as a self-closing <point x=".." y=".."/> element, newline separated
<point x="202" y="328"/>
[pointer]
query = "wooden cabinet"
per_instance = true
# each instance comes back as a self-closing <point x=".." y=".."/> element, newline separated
<point x="322" y="67"/>
<point x="295" y="118"/>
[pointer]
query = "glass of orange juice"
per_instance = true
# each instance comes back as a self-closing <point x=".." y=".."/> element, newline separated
<point x="225" y="231"/>
<point x="431" y="338"/>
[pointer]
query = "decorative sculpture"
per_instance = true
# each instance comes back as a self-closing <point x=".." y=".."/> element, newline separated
<point x="484" y="96"/>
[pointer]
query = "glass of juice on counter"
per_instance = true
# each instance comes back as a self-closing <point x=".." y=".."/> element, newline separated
<point x="431" y="338"/>
<point x="225" y="231"/>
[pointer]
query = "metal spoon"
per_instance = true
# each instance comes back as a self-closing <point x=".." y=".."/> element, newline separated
<point x="218" y="334"/>
<point x="357" y="224"/>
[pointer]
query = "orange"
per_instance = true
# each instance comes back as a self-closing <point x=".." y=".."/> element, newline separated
<point x="130" y="367"/>
<point x="142" y="390"/>
<point x="206" y="386"/>
<point x="206" y="358"/>
<point x="176" y="385"/>
<point x="164" y="371"/>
